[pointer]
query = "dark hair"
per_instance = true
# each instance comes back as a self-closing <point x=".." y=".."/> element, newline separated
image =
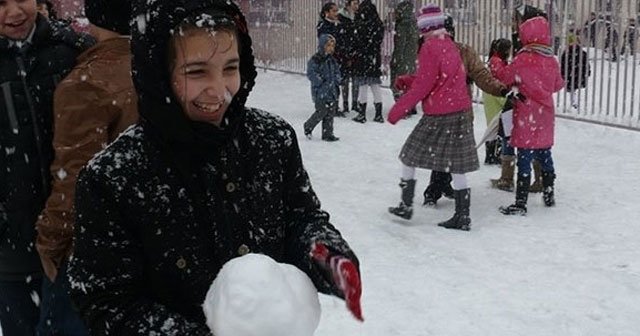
<point x="500" y="47"/>
<point x="448" y="25"/>
<point x="326" y="8"/>
<point x="217" y="22"/>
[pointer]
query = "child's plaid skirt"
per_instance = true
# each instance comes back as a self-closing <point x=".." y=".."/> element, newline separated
<point x="443" y="143"/>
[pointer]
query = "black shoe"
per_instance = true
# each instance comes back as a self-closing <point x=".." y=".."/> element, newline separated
<point x="457" y="222"/>
<point x="548" y="197"/>
<point x="430" y="200"/>
<point x="330" y="138"/>
<point x="378" y="118"/>
<point x="514" y="209"/>
<point x="361" y="118"/>
<point x="447" y="191"/>
<point x="402" y="210"/>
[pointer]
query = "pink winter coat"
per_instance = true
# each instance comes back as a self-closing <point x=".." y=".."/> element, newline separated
<point x="440" y="81"/>
<point x="536" y="73"/>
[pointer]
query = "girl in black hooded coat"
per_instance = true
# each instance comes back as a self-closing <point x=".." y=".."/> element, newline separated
<point x="194" y="184"/>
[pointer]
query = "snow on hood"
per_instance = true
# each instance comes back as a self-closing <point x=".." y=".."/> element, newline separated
<point x="154" y="21"/>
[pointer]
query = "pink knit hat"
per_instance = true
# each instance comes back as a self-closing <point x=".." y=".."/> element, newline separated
<point x="430" y="18"/>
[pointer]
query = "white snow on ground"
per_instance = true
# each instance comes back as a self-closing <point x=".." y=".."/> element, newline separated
<point x="569" y="270"/>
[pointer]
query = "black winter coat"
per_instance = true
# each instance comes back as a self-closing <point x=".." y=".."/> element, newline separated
<point x="575" y="69"/>
<point x="335" y="29"/>
<point x="349" y="56"/>
<point x="171" y="200"/>
<point x="28" y="79"/>
<point x="369" y="36"/>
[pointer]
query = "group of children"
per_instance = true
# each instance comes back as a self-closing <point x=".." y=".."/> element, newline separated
<point x="444" y="141"/>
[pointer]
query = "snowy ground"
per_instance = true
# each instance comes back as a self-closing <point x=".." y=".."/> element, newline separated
<point x="569" y="270"/>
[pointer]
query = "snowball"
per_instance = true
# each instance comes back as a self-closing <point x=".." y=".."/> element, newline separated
<point x="253" y="295"/>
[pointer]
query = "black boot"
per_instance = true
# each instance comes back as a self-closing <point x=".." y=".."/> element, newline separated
<point x="548" y="189"/>
<point x="362" y="113"/>
<point x="460" y="219"/>
<point x="405" y="209"/>
<point x="439" y="184"/>
<point x="378" y="117"/>
<point x="491" y="156"/>
<point x="522" y="193"/>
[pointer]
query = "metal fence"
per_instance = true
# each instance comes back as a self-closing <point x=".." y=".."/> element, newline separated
<point x="612" y="93"/>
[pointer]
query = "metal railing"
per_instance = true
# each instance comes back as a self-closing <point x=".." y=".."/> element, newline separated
<point x="612" y="92"/>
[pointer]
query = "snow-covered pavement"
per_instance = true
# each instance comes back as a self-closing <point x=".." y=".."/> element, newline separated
<point x="569" y="270"/>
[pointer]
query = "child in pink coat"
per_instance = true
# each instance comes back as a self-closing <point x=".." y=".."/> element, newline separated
<point x="536" y="74"/>
<point x="443" y="139"/>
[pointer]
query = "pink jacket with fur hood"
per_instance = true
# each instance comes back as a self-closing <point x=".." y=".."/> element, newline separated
<point x="440" y="82"/>
<point x="536" y="73"/>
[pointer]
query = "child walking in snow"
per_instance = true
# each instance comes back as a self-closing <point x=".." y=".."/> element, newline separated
<point x="443" y="139"/>
<point x="536" y="74"/>
<point x="324" y="73"/>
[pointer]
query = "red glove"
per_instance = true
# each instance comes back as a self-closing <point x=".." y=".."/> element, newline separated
<point x="403" y="82"/>
<point x="345" y="276"/>
<point x="395" y="115"/>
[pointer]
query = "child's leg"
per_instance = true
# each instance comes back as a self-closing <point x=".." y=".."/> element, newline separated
<point x="574" y="99"/>
<point x="377" y="93"/>
<point x="459" y="181"/>
<point x="322" y="108"/>
<point x="525" y="156"/>
<point x="548" y="176"/>
<point x="327" y="120"/>
<point x="408" y="188"/>
<point x="546" y="160"/>
<point x="408" y="173"/>
<point x="355" y="90"/>
<point x="362" y="94"/>
<point x="462" y="196"/>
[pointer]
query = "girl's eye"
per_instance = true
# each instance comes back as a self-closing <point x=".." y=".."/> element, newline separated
<point x="231" y="68"/>
<point x="193" y="72"/>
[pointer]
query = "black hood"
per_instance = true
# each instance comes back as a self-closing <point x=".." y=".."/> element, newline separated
<point x="152" y="26"/>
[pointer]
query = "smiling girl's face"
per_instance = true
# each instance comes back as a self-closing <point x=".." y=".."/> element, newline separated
<point x="205" y="72"/>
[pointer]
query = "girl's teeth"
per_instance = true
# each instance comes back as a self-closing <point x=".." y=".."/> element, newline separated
<point x="208" y="108"/>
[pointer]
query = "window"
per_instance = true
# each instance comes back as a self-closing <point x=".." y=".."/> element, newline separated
<point x="267" y="11"/>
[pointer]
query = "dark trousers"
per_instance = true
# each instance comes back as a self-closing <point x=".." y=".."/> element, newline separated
<point x="525" y="156"/>
<point x="325" y="112"/>
<point x="58" y="315"/>
<point x="19" y="306"/>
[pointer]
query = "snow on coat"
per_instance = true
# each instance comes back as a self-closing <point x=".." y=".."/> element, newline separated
<point x="536" y="73"/>
<point x="25" y="144"/>
<point x="171" y="200"/>
<point x="92" y="106"/>
<point x="324" y="73"/>
<point x="440" y="82"/>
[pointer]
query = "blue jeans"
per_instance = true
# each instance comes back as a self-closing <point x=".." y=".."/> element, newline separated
<point x="506" y="148"/>
<point x="525" y="156"/>
<point x="18" y="311"/>
<point x="58" y="315"/>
